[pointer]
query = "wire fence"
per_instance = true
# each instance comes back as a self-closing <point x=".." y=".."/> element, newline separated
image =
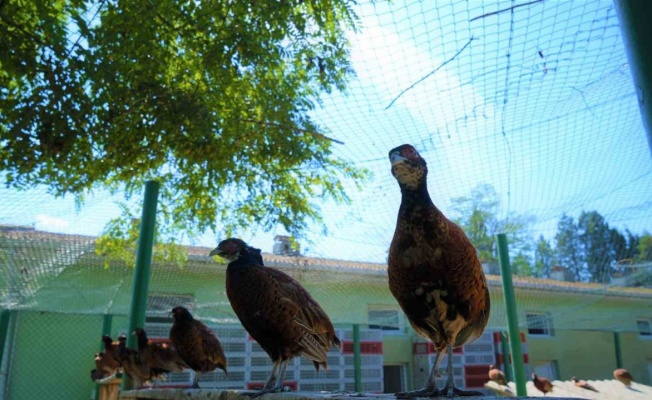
<point x="527" y="111"/>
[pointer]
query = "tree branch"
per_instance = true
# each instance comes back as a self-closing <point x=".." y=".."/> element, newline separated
<point x="430" y="73"/>
<point x="506" y="9"/>
<point x="72" y="48"/>
<point x="316" y="134"/>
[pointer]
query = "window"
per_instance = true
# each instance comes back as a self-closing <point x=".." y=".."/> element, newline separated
<point x="387" y="320"/>
<point x="539" y="323"/>
<point x="644" y="327"/>
<point x="159" y="306"/>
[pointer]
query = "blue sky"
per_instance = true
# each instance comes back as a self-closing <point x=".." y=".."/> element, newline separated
<point x="539" y="104"/>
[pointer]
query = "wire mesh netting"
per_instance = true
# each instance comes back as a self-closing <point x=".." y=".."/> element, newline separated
<point x="525" y="114"/>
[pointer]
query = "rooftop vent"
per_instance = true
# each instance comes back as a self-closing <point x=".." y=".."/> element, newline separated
<point x="563" y="274"/>
<point x="284" y="246"/>
<point x="490" y="267"/>
<point x="18" y="228"/>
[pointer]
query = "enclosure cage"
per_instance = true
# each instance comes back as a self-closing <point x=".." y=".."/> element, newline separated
<point x="529" y="119"/>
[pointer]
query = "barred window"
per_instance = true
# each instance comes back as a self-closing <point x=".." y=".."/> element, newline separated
<point x="159" y="306"/>
<point x="387" y="320"/>
<point x="644" y="327"/>
<point x="539" y="323"/>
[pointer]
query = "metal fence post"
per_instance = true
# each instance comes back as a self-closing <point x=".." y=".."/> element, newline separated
<point x="357" y="359"/>
<point x="507" y="366"/>
<point x="106" y="330"/>
<point x="619" y="353"/>
<point x="636" y="28"/>
<point x="143" y="266"/>
<point x="512" y="319"/>
<point x="4" y="330"/>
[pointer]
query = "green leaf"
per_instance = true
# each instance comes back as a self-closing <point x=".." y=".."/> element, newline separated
<point x="209" y="98"/>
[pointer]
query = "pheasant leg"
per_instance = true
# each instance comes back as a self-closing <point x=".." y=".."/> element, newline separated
<point x="429" y="389"/>
<point x="275" y="382"/>
<point x="281" y="375"/>
<point x="450" y="390"/>
<point x="195" y="382"/>
<point x="271" y="381"/>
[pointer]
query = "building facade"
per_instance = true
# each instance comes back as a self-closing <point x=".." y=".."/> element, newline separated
<point x="59" y="298"/>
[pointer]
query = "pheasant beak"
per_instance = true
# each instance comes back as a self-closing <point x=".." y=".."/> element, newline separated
<point x="396" y="158"/>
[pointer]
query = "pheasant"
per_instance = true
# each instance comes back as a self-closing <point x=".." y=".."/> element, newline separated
<point x="434" y="272"/>
<point x="196" y="344"/>
<point x="276" y="311"/>
<point x="542" y="384"/>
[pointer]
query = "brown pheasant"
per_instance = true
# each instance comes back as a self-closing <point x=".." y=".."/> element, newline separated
<point x="542" y="384"/>
<point x="197" y="345"/>
<point x="133" y="366"/>
<point x="583" y="384"/>
<point x="100" y="370"/>
<point x="97" y="374"/>
<point x="623" y="376"/>
<point x="111" y="355"/>
<point x="434" y="272"/>
<point x="106" y="364"/>
<point x="162" y="358"/>
<point x="497" y="376"/>
<point x="276" y="311"/>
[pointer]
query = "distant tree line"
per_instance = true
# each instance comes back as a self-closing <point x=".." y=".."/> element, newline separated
<point x="587" y="246"/>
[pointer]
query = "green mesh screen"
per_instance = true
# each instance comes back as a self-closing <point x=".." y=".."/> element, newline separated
<point x="535" y="104"/>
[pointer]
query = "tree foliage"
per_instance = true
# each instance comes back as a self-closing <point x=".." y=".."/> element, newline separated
<point x="625" y="245"/>
<point x="569" y="246"/>
<point x="591" y="249"/>
<point x="643" y="259"/>
<point x="644" y="247"/>
<point x="119" y="242"/>
<point x="597" y="245"/>
<point x="210" y="98"/>
<point x="477" y="214"/>
<point x="544" y="258"/>
<point x="521" y="264"/>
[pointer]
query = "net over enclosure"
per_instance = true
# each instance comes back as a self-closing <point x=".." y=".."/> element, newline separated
<point x="529" y="121"/>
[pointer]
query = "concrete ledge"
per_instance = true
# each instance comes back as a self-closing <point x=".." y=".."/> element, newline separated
<point x="215" y="394"/>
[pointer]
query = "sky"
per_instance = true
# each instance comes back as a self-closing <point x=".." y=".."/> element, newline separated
<point x="537" y="102"/>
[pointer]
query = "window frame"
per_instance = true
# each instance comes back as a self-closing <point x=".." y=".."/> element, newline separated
<point x="645" y="335"/>
<point x="544" y="318"/>
<point x="156" y="314"/>
<point x="387" y="329"/>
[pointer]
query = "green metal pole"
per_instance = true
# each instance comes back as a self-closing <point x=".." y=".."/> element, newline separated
<point x="512" y="319"/>
<point x="619" y="352"/>
<point x="636" y="27"/>
<point x="106" y="330"/>
<point x="143" y="264"/>
<point x="357" y="358"/>
<point x="507" y="366"/>
<point x="5" y="316"/>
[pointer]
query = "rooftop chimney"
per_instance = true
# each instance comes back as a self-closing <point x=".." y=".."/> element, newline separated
<point x="16" y="228"/>
<point x="283" y="246"/>
<point x="563" y="274"/>
<point x="490" y="267"/>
